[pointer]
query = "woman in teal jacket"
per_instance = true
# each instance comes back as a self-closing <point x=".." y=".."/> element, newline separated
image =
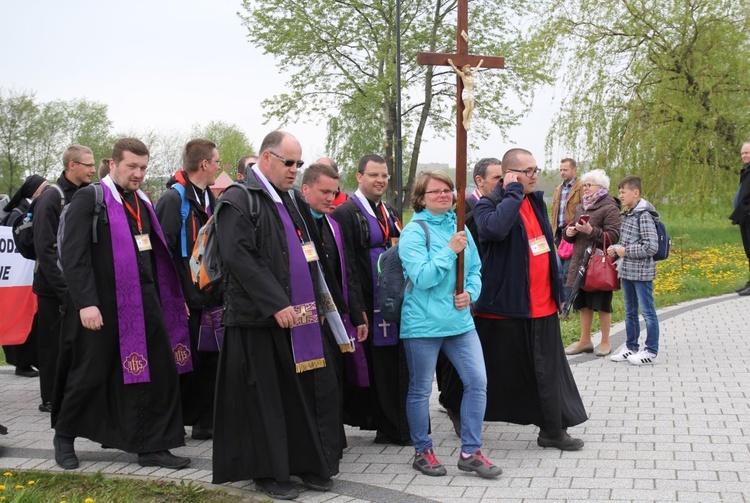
<point x="434" y="318"/>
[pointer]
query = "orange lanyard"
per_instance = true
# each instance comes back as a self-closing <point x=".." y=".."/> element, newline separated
<point x="136" y="214"/>
<point x="385" y="228"/>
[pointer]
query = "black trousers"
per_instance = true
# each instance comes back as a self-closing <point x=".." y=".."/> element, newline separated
<point x="49" y="324"/>
<point x="745" y="231"/>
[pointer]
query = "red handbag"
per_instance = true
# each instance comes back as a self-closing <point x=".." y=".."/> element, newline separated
<point x="601" y="273"/>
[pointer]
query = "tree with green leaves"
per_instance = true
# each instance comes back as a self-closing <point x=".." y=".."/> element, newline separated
<point x="653" y="88"/>
<point x="33" y="136"/>
<point x="230" y="140"/>
<point x="341" y="55"/>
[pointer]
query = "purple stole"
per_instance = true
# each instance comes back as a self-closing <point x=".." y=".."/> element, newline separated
<point x="383" y="332"/>
<point x="356" y="368"/>
<point x="130" y="319"/>
<point x="307" y="342"/>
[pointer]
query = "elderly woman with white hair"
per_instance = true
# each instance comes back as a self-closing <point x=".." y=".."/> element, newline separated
<point x="596" y="217"/>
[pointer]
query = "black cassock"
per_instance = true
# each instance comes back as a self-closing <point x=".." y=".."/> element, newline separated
<point x="90" y="397"/>
<point x="528" y="377"/>
<point x="382" y="406"/>
<point x="270" y="422"/>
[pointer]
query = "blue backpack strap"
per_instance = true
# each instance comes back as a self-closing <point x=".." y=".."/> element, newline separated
<point x="423" y="225"/>
<point x="184" y="212"/>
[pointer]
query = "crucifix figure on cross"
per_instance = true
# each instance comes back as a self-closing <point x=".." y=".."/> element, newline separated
<point x="467" y="95"/>
<point x="468" y="65"/>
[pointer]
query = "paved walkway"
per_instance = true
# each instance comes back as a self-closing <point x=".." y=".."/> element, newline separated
<point x="677" y="431"/>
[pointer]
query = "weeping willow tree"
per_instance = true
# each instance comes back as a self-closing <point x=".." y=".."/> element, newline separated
<point x="656" y="88"/>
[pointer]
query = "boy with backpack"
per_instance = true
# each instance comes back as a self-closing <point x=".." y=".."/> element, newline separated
<point x="638" y="248"/>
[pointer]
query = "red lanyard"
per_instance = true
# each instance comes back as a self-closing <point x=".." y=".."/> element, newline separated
<point x="386" y="230"/>
<point x="136" y="214"/>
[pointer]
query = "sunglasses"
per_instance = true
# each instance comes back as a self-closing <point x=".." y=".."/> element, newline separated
<point x="287" y="162"/>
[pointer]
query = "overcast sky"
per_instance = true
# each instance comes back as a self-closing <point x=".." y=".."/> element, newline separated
<point x="169" y="64"/>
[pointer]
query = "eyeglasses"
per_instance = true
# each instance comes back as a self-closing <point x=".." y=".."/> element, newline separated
<point x="528" y="172"/>
<point x="589" y="185"/>
<point x="92" y="165"/>
<point x="375" y="176"/>
<point x="441" y="192"/>
<point x="287" y="162"/>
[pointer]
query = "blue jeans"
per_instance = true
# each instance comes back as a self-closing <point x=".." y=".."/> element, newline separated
<point x="465" y="353"/>
<point x="640" y="293"/>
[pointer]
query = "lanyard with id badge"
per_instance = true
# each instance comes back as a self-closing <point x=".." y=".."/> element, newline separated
<point x="539" y="245"/>
<point x="142" y="241"/>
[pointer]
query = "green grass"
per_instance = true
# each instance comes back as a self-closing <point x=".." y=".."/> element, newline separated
<point x="43" y="487"/>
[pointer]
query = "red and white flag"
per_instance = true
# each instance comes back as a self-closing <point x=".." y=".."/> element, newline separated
<point x="17" y="300"/>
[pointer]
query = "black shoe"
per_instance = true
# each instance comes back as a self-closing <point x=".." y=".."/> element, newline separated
<point x="3" y="430"/>
<point x="743" y="287"/>
<point x="564" y="443"/>
<point x="45" y="407"/>
<point x="65" y="453"/>
<point x="277" y="490"/>
<point x="744" y="291"/>
<point x="382" y="438"/>
<point x="316" y="482"/>
<point x="165" y="459"/>
<point x="27" y="371"/>
<point x="456" y="420"/>
<point x="201" y="433"/>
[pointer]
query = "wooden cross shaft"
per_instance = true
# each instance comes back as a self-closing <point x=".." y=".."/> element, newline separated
<point x="460" y="59"/>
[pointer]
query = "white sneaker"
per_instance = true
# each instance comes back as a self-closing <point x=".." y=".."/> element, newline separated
<point x="643" y="358"/>
<point x="621" y="355"/>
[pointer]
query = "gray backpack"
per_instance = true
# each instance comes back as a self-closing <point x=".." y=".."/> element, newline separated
<point x="391" y="281"/>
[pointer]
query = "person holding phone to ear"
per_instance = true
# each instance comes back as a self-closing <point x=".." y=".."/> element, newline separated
<point x="599" y="213"/>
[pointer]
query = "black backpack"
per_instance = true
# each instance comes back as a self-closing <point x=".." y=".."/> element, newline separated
<point x="23" y="230"/>
<point x="16" y="213"/>
<point x="391" y="281"/>
<point x="98" y="205"/>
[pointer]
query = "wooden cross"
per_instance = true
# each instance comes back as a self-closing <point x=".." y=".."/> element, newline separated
<point x="459" y="60"/>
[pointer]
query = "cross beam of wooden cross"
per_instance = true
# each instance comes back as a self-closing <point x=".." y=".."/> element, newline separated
<point x="460" y="60"/>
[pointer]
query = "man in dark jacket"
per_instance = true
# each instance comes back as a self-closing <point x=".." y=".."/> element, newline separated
<point x="125" y="336"/>
<point x="741" y="214"/>
<point x="49" y="284"/>
<point x="277" y="398"/>
<point x="529" y="379"/>
<point x="190" y="191"/>
<point x="320" y="183"/>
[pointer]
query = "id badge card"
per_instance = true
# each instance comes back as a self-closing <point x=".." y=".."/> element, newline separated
<point x="311" y="254"/>
<point x="538" y="245"/>
<point x="143" y="241"/>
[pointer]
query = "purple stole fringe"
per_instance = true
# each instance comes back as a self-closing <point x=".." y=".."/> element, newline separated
<point x="307" y="343"/>
<point x="356" y="368"/>
<point x="384" y="333"/>
<point x="130" y="319"/>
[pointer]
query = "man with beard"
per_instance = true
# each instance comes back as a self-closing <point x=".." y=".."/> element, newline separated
<point x="125" y="335"/>
<point x="370" y="227"/>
